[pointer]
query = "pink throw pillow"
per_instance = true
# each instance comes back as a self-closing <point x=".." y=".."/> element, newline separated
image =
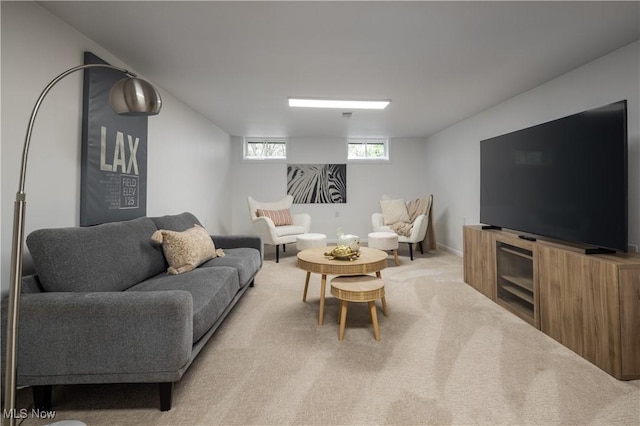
<point x="279" y="217"/>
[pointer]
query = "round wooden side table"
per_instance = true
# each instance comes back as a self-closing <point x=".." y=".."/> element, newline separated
<point x="359" y="288"/>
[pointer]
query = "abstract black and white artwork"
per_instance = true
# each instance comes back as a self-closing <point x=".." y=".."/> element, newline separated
<point x="317" y="183"/>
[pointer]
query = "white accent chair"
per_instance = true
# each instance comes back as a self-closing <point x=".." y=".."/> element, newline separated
<point x="422" y="231"/>
<point x="277" y="235"/>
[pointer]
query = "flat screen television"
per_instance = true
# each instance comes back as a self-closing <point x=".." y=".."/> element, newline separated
<point x="565" y="179"/>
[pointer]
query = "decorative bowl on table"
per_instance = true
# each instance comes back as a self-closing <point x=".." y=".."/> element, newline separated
<point x="352" y="241"/>
<point x="342" y="252"/>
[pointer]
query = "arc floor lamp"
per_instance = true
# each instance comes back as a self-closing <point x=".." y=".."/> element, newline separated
<point x="130" y="96"/>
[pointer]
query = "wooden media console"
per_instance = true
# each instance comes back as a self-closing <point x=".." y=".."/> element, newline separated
<point x="588" y="303"/>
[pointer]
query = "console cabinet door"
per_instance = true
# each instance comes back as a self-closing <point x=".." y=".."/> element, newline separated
<point x="629" y="288"/>
<point x="479" y="260"/>
<point x="579" y="305"/>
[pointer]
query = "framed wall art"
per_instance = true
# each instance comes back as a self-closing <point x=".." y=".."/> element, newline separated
<point x="113" y="183"/>
<point x="317" y="183"/>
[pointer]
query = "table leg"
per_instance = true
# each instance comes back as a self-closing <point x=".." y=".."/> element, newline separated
<point x="379" y="275"/>
<point x="343" y="318"/>
<point x="395" y="257"/>
<point x="306" y="287"/>
<point x="323" y="286"/>
<point x="374" y="320"/>
<point x="384" y="306"/>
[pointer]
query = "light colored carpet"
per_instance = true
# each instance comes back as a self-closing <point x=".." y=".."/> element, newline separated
<point x="448" y="355"/>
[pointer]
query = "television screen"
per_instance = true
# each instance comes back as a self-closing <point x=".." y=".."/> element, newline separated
<point x="565" y="179"/>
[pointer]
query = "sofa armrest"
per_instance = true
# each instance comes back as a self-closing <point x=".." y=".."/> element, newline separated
<point x="237" y="241"/>
<point x="419" y="229"/>
<point x="101" y="333"/>
<point x="302" y="219"/>
<point x="377" y="221"/>
<point x="265" y="229"/>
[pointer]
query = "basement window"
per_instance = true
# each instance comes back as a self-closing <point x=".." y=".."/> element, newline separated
<point x="265" y="148"/>
<point x="368" y="149"/>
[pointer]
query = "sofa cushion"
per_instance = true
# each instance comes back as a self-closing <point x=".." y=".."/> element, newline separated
<point x="283" y="231"/>
<point x="212" y="290"/>
<point x="177" y="222"/>
<point x="186" y="250"/>
<point x="246" y="261"/>
<point x="108" y="257"/>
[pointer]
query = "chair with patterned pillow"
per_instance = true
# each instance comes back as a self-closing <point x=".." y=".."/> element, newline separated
<point x="412" y="221"/>
<point x="273" y="222"/>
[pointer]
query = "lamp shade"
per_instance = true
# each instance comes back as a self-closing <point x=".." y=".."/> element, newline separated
<point x="134" y="96"/>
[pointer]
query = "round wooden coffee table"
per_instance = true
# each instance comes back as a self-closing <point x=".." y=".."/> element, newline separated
<point x="313" y="260"/>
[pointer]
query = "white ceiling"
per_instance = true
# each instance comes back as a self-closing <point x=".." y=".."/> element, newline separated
<point x="439" y="62"/>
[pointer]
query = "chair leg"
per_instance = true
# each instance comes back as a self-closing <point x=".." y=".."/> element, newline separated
<point x="411" y="250"/>
<point x="421" y="250"/>
<point x="277" y="253"/>
<point x="284" y="248"/>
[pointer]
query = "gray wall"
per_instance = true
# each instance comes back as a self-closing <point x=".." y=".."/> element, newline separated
<point x="402" y="177"/>
<point x="452" y="157"/>
<point x="188" y="167"/>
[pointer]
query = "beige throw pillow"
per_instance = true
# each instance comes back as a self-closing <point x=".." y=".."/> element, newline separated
<point x="394" y="211"/>
<point x="185" y="250"/>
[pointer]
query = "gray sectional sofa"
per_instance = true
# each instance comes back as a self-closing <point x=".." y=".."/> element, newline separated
<point x="103" y="309"/>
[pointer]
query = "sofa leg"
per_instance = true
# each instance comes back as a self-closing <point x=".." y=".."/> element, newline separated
<point x="42" y="397"/>
<point x="252" y="282"/>
<point x="284" y="248"/>
<point x="277" y="253"/>
<point x="411" y="250"/>
<point x="166" y="390"/>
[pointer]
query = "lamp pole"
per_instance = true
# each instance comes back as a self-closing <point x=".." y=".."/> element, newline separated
<point x="123" y="103"/>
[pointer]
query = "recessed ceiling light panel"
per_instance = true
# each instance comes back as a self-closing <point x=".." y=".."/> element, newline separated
<point x="337" y="103"/>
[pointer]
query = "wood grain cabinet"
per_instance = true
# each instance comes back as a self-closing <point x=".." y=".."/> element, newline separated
<point x="588" y="303"/>
<point x="479" y="260"/>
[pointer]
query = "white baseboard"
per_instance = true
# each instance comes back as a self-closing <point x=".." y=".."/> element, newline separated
<point x="450" y="250"/>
